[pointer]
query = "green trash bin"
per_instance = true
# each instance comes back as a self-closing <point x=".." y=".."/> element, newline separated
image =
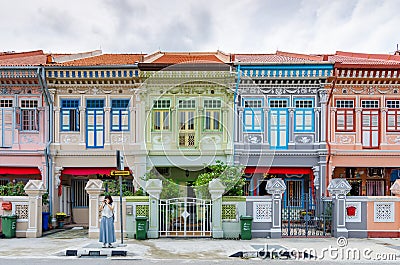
<point x="245" y="227"/>
<point x="9" y="225"/>
<point x="141" y="227"/>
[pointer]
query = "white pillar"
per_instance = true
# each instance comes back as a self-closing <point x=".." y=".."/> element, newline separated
<point x="35" y="189"/>
<point x="395" y="188"/>
<point x="94" y="188"/>
<point x="339" y="188"/>
<point x="276" y="187"/>
<point x="153" y="188"/>
<point x="216" y="189"/>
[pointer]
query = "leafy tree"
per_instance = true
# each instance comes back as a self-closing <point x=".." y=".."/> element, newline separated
<point x="112" y="188"/>
<point x="230" y="176"/>
<point x="170" y="189"/>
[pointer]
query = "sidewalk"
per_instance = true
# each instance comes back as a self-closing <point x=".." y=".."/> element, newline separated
<point x="55" y="245"/>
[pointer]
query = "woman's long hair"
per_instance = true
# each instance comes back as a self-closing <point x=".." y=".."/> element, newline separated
<point x="109" y="198"/>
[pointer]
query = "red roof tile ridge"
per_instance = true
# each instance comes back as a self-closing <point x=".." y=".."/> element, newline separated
<point x="76" y="56"/>
<point x="10" y="55"/>
<point x="223" y="57"/>
<point x="158" y="56"/>
<point x="301" y="56"/>
<point x="255" y="54"/>
<point x="149" y="58"/>
<point x="373" y="56"/>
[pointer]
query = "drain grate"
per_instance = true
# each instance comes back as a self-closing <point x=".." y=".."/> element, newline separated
<point x="118" y="253"/>
<point x="70" y="252"/>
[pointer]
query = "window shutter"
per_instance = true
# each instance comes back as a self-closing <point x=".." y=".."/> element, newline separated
<point x="6" y="127"/>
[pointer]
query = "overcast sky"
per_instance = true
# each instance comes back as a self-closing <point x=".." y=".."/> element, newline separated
<point x="237" y="26"/>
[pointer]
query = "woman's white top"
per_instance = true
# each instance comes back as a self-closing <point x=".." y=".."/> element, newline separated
<point x="107" y="212"/>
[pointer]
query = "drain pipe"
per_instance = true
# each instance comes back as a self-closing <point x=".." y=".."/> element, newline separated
<point x="328" y="121"/>
<point x="235" y="114"/>
<point x="49" y="164"/>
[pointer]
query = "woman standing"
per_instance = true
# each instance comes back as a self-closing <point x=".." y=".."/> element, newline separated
<point x="107" y="231"/>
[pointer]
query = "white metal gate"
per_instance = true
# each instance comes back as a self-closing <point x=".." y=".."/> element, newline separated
<point x="185" y="217"/>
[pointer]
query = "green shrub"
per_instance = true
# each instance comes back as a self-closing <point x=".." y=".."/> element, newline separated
<point x="230" y="176"/>
<point x="13" y="189"/>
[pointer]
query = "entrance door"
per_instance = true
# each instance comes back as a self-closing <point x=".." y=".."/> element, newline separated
<point x="80" y="201"/>
<point x="185" y="217"/>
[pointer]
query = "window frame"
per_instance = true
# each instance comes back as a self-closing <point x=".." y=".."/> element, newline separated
<point x="209" y="115"/>
<point x="371" y="112"/>
<point x="119" y="113"/>
<point x="97" y="111"/>
<point x="304" y="115"/>
<point x="185" y="132"/>
<point x="7" y="119"/>
<point x="396" y="115"/>
<point x="278" y="111"/>
<point x="32" y="112"/>
<point x="251" y="111"/>
<point x="165" y="112"/>
<point x="77" y="115"/>
<point x="347" y="111"/>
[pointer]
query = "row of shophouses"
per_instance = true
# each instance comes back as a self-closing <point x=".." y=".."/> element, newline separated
<point x="307" y="119"/>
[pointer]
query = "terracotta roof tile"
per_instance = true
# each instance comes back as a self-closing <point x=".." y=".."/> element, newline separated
<point x="278" y="57"/>
<point x="23" y="58"/>
<point x="106" y="59"/>
<point x="364" y="58"/>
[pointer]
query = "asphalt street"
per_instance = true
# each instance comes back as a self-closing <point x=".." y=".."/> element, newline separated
<point x="51" y="249"/>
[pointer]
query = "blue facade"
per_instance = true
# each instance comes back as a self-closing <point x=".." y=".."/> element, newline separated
<point x="280" y="125"/>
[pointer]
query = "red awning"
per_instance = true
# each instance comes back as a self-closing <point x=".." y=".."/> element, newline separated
<point x="19" y="171"/>
<point x="84" y="171"/>
<point x="278" y="170"/>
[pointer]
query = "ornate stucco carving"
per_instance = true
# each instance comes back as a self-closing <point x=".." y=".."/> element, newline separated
<point x="303" y="139"/>
<point x="69" y="139"/>
<point x="345" y="139"/>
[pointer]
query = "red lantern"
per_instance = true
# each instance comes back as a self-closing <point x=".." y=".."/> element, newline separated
<point x="351" y="211"/>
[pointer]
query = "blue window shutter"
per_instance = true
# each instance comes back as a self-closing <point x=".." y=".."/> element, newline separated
<point x="6" y="127"/>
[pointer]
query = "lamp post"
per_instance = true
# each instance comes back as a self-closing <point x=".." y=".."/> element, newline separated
<point x="120" y="166"/>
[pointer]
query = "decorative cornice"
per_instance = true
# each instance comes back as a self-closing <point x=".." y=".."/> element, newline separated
<point x="96" y="153"/>
<point x="315" y="153"/>
<point x="365" y="153"/>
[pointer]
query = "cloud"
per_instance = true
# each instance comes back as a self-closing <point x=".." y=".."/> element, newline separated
<point x="309" y="26"/>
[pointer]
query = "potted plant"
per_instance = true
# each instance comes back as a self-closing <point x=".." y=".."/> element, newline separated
<point x="60" y="216"/>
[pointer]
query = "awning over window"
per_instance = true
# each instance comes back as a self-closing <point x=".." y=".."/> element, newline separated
<point x="278" y="170"/>
<point x="85" y="171"/>
<point x="19" y="171"/>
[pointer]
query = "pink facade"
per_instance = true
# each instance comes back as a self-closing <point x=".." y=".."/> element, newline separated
<point x="24" y="121"/>
<point x="363" y="130"/>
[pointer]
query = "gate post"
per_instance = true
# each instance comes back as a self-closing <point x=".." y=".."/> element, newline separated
<point x="94" y="188"/>
<point x="216" y="189"/>
<point x="276" y="187"/>
<point x="339" y="188"/>
<point x="395" y="188"/>
<point x="153" y="188"/>
<point x="35" y="189"/>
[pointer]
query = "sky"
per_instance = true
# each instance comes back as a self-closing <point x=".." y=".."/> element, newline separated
<point x="232" y="26"/>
